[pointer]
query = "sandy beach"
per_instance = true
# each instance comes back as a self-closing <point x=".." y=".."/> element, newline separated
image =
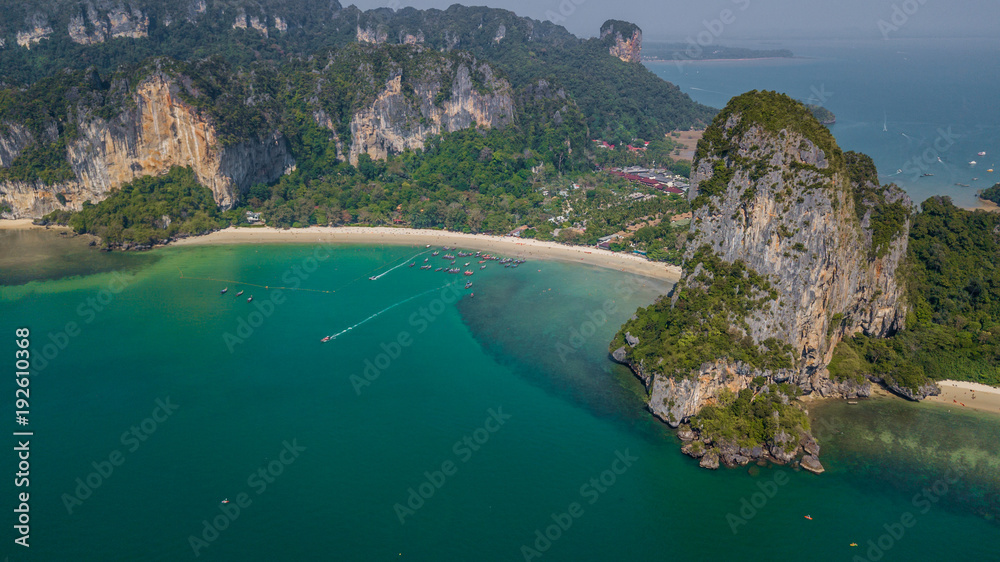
<point x="504" y="245"/>
<point x="25" y="224"/>
<point x="972" y="395"/>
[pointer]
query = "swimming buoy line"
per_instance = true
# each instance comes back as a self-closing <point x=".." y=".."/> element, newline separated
<point x="236" y="282"/>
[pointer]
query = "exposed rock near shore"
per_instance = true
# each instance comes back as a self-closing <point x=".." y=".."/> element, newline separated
<point x="774" y="195"/>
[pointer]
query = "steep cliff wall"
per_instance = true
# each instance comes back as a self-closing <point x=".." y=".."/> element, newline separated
<point x="788" y="211"/>
<point x="801" y="238"/>
<point x="625" y="40"/>
<point x="396" y="121"/>
<point x="159" y="132"/>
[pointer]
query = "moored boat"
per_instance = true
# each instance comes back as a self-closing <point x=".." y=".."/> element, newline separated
<point x="239" y="293"/>
<point x="222" y="292"/>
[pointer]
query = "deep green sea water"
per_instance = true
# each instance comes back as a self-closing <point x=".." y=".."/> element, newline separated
<point x="500" y="409"/>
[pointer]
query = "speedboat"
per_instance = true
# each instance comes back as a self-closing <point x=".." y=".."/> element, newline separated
<point x="324" y="340"/>
<point x="972" y="163"/>
<point x="413" y="264"/>
<point x="982" y="153"/>
<point x="439" y="269"/>
<point x="469" y="284"/>
<point x="482" y="267"/>
<point x="222" y="292"/>
<point x="225" y="501"/>
<point x="239" y="293"/>
<point x="250" y="299"/>
<point x="435" y="253"/>
<point x="468" y="273"/>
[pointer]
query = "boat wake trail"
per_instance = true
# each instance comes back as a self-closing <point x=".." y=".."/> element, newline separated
<point x="386" y="309"/>
<point x="376" y="277"/>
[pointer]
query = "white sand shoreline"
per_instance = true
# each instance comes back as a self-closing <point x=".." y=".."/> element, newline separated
<point x="971" y="395"/>
<point x="521" y="247"/>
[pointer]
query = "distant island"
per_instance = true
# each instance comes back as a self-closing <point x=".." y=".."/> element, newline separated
<point x="653" y="51"/>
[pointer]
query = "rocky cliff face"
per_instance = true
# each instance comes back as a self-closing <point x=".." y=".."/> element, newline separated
<point x="778" y="197"/>
<point x="787" y="210"/>
<point x="396" y="121"/>
<point x="625" y="39"/>
<point x="159" y="132"/>
<point x="36" y="28"/>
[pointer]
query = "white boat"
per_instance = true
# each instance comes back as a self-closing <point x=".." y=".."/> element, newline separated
<point x="982" y="154"/>
<point x="972" y="163"/>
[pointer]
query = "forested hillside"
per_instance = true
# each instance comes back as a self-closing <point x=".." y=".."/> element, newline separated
<point x="616" y="97"/>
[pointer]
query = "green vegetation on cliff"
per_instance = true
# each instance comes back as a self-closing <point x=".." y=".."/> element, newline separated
<point x="773" y="112"/>
<point x="148" y="211"/>
<point x="704" y="319"/>
<point x="887" y="208"/>
<point x="754" y="416"/>
<point x="953" y="287"/>
<point x="615" y="97"/>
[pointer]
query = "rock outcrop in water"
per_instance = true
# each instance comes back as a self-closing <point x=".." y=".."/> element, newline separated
<point x="812" y="245"/>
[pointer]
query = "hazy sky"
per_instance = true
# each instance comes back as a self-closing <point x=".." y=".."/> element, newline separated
<point x="754" y="19"/>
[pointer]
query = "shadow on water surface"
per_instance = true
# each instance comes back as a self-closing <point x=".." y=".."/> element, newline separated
<point x="556" y="335"/>
<point x="44" y="255"/>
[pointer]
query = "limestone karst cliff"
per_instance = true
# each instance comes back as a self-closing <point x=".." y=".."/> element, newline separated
<point x="792" y="247"/>
<point x="625" y="40"/>
<point x="157" y="131"/>
<point x="451" y="94"/>
<point x="374" y="99"/>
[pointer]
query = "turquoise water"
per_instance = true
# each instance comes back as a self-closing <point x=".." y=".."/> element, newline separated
<point x="935" y="99"/>
<point x="528" y="350"/>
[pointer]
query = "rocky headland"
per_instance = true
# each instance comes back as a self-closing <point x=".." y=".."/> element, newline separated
<point x="793" y="247"/>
